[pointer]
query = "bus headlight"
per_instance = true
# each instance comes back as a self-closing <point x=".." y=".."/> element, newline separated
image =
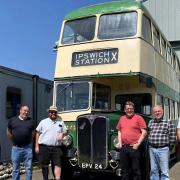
<point x="115" y="142"/>
<point x="67" y="140"/>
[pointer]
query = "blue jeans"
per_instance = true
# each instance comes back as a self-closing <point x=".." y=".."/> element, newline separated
<point x="18" y="155"/>
<point x="159" y="158"/>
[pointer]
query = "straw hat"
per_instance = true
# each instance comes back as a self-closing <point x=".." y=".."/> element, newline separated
<point x="53" y="108"/>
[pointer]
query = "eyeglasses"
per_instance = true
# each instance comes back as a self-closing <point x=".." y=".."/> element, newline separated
<point x="52" y="112"/>
<point x="129" y="108"/>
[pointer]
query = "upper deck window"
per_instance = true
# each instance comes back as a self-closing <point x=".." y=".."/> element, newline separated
<point x="117" y="25"/>
<point x="79" y="30"/>
<point x="146" y="29"/>
<point x="156" y="37"/>
<point x="168" y="54"/>
<point x="163" y="47"/>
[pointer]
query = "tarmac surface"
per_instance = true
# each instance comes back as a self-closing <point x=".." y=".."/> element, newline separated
<point x="37" y="175"/>
<point x="174" y="174"/>
<point x="175" y="171"/>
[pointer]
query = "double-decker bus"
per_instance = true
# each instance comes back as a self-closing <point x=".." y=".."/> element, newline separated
<point x="107" y="54"/>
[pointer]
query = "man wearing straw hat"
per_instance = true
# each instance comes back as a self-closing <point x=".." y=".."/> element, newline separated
<point x="49" y="134"/>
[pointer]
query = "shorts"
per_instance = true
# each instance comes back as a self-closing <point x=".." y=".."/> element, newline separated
<point x="49" y="153"/>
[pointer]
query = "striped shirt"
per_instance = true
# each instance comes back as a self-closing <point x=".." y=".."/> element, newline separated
<point x="161" y="133"/>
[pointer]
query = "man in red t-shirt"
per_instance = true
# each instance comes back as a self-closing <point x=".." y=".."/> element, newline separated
<point x="131" y="133"/>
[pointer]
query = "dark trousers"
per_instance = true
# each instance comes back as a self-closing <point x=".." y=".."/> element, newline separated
<point x="130" y="163"/>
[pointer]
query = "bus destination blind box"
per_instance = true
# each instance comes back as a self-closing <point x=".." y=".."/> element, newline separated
<point x="96" y="57"/>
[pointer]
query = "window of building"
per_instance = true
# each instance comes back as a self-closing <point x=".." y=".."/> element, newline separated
<point x="13" y="101"/>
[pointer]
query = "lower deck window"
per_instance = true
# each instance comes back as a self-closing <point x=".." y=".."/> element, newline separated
<point x="142" y="102"/>
<point x="101" y="97"/>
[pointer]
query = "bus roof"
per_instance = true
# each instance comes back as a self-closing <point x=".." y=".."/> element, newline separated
<point x="109" y="7"/>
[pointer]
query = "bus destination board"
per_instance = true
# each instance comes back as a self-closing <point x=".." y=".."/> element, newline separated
<point x="96" y="57"/>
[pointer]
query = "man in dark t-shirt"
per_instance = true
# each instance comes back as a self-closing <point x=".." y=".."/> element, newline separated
<point x="21" y="131"/>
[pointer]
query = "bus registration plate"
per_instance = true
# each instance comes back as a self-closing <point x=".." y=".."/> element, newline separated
<point x="91" y="166"/>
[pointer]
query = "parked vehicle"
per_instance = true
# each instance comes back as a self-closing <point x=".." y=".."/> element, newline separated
<point x="107" y="54"/>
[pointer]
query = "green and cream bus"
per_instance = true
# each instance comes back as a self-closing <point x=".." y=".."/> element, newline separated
<point x="107" y="54"/>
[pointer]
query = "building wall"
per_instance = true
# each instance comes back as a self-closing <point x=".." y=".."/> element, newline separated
<point x="167" y="15"/>
<point x="24" y="82"/>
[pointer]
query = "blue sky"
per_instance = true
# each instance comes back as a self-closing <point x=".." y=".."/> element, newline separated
<point x="28" y="31"/>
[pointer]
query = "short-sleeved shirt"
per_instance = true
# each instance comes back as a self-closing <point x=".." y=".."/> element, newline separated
<point x="48" y="131"/>
<point x="21" y="130"/>
<point x="130" y="128"/>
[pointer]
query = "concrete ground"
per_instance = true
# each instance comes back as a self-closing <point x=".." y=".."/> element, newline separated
<point x="37" y="175"/>
<point x="175" y="171"/>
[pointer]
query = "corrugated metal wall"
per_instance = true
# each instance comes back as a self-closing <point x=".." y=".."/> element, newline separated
<point x="167" y="15"/>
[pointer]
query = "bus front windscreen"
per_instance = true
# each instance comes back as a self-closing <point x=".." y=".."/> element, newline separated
<point x="117" y="25"/>
<point x="72" y="96"/>
<point x="79" y="30"/>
